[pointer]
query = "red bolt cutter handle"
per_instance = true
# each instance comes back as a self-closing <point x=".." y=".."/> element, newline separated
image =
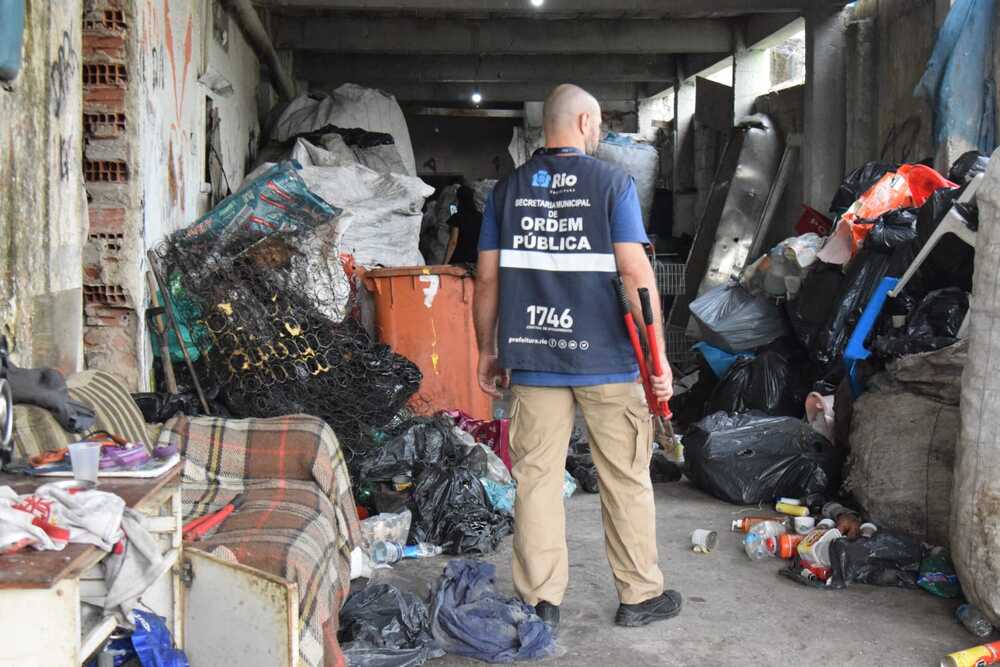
<point x="633" y="334"/>
<point x="662" y="408"/>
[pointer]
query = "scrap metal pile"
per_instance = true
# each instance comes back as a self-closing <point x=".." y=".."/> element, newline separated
<point x="262" y="288"/>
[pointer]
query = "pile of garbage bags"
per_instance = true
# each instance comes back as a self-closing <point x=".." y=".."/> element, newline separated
<point x="437" y="472"/>
<point x="773" y="340"/>
<point x="381" y="626"/>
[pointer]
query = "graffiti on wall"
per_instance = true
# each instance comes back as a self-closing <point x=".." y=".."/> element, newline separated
<point x="167" y="51"/>
<point x="62" y="73"/>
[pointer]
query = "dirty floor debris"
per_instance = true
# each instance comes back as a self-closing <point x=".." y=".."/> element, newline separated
<point x="736" y="612"/>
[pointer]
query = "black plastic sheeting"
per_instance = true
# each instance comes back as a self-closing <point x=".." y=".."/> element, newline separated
<point x="889" y="254"/>
<point x="857" y="183"/>
<point x="754" y="458"/>
<point x="967" y="167"/>
<point x="885" y="559"/>
<point x="470" y="618"/>
<point x="816" y="303"/>
<point x="580" y="464"/>
<point x="426" y="442"/>
<point x="450" y="508"/>
<point x="380" y="626"/>
<point x="933" y="325"/>
<point x="952" y="261"/>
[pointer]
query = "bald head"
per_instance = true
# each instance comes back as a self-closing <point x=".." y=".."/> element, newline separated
<point x="572" y="117"/>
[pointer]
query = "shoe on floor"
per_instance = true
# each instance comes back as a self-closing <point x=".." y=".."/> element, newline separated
<point x="549" y="613"/>
<point x="659" y="608"/>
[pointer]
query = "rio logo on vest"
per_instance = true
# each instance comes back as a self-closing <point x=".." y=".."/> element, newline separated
<point x="543" y="179"/>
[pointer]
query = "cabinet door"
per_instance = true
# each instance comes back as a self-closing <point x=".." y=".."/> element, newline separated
<point x="237" y="615"/>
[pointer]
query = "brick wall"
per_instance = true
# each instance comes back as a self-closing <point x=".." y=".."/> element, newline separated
<point x="110" y="326"/>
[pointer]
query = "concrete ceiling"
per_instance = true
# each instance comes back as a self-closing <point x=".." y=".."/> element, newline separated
<point x="439" y="51"/>
<point x="554" y="8"/>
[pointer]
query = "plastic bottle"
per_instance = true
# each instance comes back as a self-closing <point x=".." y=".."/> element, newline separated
<point x="974" y="621"/>
<point x="387" y="553"/>
<point x="815" y="547"/>
<point x="422" y="550"/>
<point x="744" y="524"/>
<point x="761" y="541"/>
<point x="792" y="510"/>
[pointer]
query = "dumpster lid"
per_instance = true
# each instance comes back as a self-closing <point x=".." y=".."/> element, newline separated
<point x="440" y="270"/>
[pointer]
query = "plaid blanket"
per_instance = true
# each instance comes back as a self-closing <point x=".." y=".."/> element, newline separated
<point x="297" y="519"/>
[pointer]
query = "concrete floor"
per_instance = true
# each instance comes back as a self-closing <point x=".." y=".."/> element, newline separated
<point x="736" y="612"/>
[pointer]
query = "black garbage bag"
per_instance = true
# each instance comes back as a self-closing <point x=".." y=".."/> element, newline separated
<point x="967" y="167"/>
<point x="762" y="383"/>
<point x="451" y="509"/>
<point x="732" y="319"/>
<point x="663" y="470"/>
<point x="689" y="406"/>
<point x="580" y="463"/>
<point x="381" y="626"/>
<point x="157" y="408"/>
<point x="857" y="183"/>
<point x="754" y="458"/>
<point x="893" y="229"/>
<point x="873" y="262"/>
<point x="933" y="325"/>
<point x="816" y="302"/>
<point x="885" y="559"/>
<point x="427" y="442"/>
<point x="952" y="261"/>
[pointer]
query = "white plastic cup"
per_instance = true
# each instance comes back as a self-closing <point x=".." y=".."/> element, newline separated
<point x="804" y="524"/>
<point x="704" y="540"/>
<point x="85" y="458"/>
<point x="868" y="529"/>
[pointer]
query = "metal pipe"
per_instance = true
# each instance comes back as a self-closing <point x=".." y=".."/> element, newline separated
<point x="256" y="34"/>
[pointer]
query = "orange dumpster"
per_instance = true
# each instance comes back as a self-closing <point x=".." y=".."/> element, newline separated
<point x="425" y="314"/>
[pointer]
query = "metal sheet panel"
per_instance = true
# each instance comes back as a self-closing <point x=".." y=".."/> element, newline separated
<point x="237" y="615"/>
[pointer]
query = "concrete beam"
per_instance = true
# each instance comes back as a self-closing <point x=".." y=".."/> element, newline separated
<point x="658" y="8"/>
<point x="447" y="112"/>
<point x="463" y="69"/>
<point x="401" y="35"/>
<point x="824" y="148"/>
<point x="492" y="92"/>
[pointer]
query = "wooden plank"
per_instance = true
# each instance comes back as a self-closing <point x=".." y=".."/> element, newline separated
<point x="43" y="569"/>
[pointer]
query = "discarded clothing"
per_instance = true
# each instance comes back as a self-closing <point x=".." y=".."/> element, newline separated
<point x="470" y="618"/>
<point x="128" y="574"/>
<point x="380" y="626"/>
<point x="51" y="517"/>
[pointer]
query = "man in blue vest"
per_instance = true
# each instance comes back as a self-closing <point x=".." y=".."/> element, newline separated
<point x="556" y="234"/>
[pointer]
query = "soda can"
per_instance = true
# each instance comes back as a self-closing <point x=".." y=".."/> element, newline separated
<point x="978" y="656"/>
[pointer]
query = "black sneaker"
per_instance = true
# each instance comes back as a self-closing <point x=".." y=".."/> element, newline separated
<point x="659" y="608"/>
<point x="549" y="613"/>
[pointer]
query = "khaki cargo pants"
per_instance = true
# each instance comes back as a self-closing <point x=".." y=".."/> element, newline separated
<point x="620" y="429"/>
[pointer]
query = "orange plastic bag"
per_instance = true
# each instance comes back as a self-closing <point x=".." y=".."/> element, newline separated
<point x="909" y="187"/>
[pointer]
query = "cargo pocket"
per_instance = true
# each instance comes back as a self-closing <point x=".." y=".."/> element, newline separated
<point x="513" y="428"/>
<point x="642" y="423"/>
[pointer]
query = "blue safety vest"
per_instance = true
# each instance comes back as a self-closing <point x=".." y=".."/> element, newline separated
<point x="559" y="310"/>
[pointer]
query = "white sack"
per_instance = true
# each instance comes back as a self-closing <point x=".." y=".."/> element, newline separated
<point x="349" y="106"/>
<point x="381" y="215"/>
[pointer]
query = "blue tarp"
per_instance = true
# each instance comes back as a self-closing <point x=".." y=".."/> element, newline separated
<point x="469" y="617"/>
<point x="958" y="81"/>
